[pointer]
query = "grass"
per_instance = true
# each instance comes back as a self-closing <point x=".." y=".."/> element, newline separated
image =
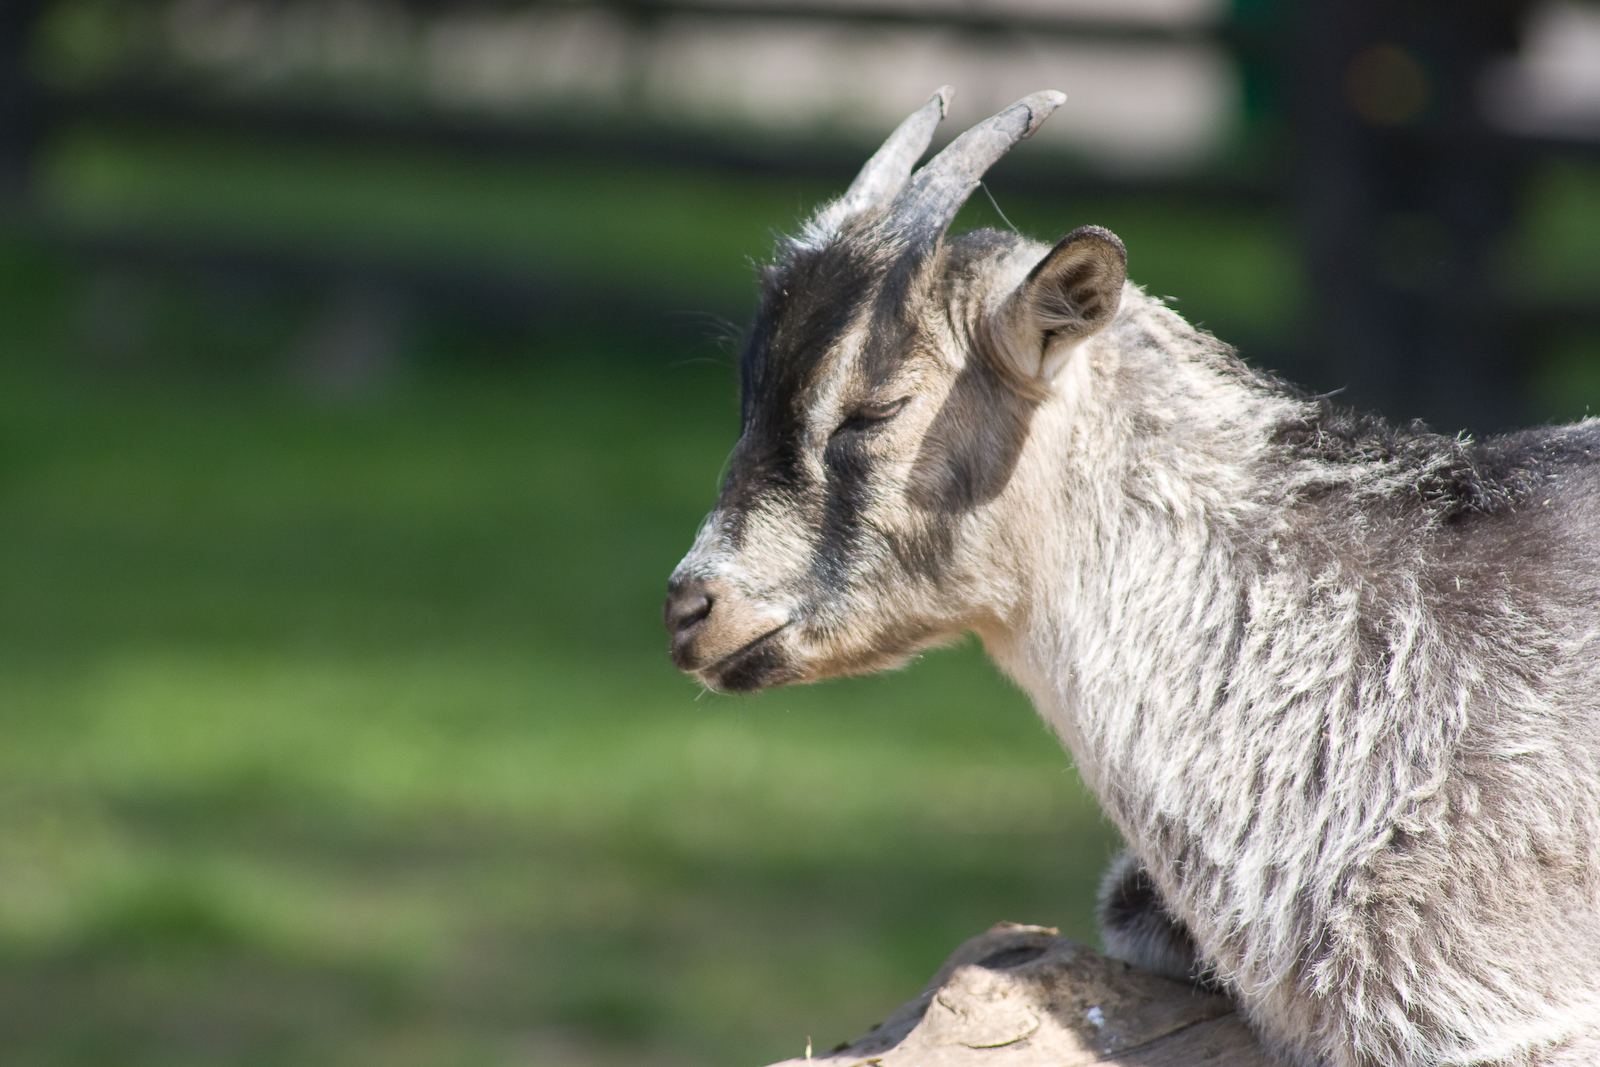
<point x="343" y="733"/>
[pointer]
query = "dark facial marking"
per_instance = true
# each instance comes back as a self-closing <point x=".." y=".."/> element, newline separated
<point x="893" y="323"/>
<point x="891" y="335"/>
<point x="808" y="304"/>
<point x="762" y="666"/>
<point x="973" y="444"/>
<point x="849" y="494"/>
<point x="811" y="300"/>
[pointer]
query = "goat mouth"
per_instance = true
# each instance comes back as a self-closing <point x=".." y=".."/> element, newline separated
<point x="754" y="665"/>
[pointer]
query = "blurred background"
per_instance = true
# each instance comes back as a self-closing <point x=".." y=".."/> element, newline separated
<point x="366" y="365"/>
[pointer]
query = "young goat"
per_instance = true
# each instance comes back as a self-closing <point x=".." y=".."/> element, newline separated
<point x="1337" y="682"/>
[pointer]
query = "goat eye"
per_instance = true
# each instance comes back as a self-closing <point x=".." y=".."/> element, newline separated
<point x="870" y="414"/>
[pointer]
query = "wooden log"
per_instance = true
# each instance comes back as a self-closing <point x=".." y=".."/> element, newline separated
<point x="1020" y="996"/>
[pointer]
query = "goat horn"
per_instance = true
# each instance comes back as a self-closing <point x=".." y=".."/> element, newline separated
<point x="886" y="172"/>
<point x="930" y="200"/>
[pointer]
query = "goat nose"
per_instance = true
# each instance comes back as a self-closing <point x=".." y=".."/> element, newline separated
<point x="687" y="603"/>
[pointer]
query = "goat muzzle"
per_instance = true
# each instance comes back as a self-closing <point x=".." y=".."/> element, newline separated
<point x="713" y="627"/>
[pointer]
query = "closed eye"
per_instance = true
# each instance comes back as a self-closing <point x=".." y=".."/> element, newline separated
<point x="865" y="416"/>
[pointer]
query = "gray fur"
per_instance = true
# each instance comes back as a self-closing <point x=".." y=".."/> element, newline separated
<point x="1136" y="926"/>
<point x="1336" y="682"/>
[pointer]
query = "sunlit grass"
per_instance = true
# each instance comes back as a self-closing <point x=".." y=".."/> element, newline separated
<point x="516" y="846"/>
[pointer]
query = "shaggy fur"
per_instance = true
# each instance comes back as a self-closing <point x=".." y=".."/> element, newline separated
<point x="1337" y="682"/>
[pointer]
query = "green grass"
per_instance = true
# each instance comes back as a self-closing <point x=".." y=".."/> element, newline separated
<point x="344" y="734"/>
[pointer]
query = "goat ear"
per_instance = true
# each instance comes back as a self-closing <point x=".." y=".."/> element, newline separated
<point x="1069" y="296"/>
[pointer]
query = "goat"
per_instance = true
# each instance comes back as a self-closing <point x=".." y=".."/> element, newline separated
<point x="1334" y="680"/>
